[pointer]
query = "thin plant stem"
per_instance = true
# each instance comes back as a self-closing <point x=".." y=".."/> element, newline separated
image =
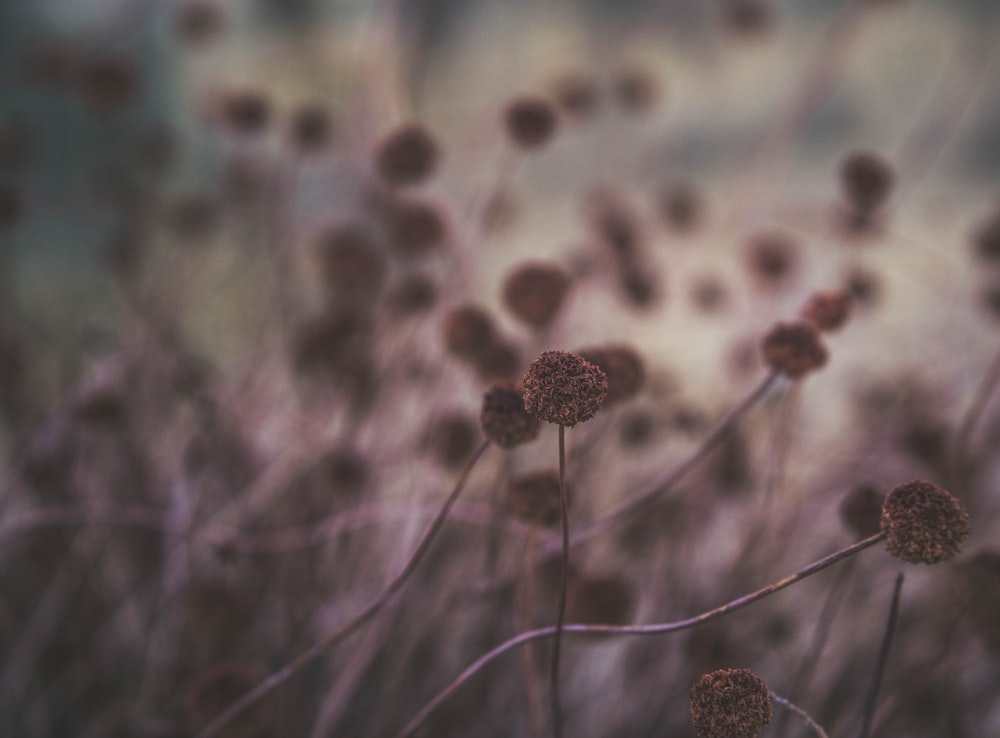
<point x="312" y="653"/>
<point x="614" y="630"/>
<point x="883" y="657"/>
<point x="661" y="484"/>
<point x="563" y="575"/>
<point x="526" y="592"/>
<point x="789" y="705"/>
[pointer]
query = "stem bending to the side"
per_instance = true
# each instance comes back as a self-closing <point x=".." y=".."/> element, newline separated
<point x="612" y="630"/>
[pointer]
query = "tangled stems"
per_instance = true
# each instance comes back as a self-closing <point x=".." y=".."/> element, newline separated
<point x="613" y="630"/>
<point x="312" y="653"/>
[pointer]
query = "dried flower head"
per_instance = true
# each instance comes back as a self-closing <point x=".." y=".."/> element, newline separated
<point x="861" y="510"/>
<point x="730" y="703"/>
<point x="623" y="367"/>
<point x="923" y="522"/>
<point x="563" y="388"/>
<point x="795" y="349"/>
<point x="530" y="121"/>
<point x="534" y="292"/>
<point x="828" y="311"/>
<point x="407" y="156"/>
<point x="867" y="181"/>
<point x="468" y="331"/>
<point x="535" y="498"/>
<point x="503" y="418"/>
<point x="416" y="227"/>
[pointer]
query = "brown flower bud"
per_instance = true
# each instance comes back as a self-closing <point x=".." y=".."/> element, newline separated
<point x="503" y="418"/>
<point x="534" y="498"/>
<point x="730" y="703"/>
<point x="867" y="181"/>
<point x="534" y="292"/>
<point x="795" y="349"/>
<point x="861" y="510"/>
<point x="530" y="122"/>
<point x="563" y="388"/>
<point x="923" y="523"/>
<point x="407" y="156"/>
<point x="828" y="311"/>
<point x="623" y="367"/>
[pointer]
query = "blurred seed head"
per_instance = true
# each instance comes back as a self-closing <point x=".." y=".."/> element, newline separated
<point x="681" y="206"/>
<point x="771" y="257"/>
<point x="923" y="523"/>
<point x="193" y="216"/>
<point x="637" y="429"/>
<point x="748" y="18"/>
<point x="534" y="292"/>
<point x="635" y="88"/>
<point x="503" y="418"/>
<point x="351" y="263"/>
<point x="310" y="128"/>
<point x="407" y="156"/>
<point x="730" y="703"/>
<point x="416" y="227"/>
<point x="866" y="180"/>
<point x="794" y="349"/>
<point x="534" y="498"/>
<point x="563" y="388"/>
<point x="576" y="95"/>
<point x="413" y="295"/>
<point x="861" y="510"/>
<point x="245" y="112"/>
<point x="468" y="331"/>
<point x="199" y="22"/>
<point x="708" y="294"/>
<point x="530" y="122"/>
<point x="638" y="286"/>
<point x="828" y="311"/>
<point x="864" y="287"/>
<point x="623" y="367"/>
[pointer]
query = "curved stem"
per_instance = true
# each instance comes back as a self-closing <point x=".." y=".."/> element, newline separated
<point x="883" y="656"/>
<point x="613" y="630"/>
<point x="305" y="658"/>
<point x="564" y="573"/>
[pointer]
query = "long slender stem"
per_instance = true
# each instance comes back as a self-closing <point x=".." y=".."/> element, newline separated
<point x="789" y="705"/>
<point x="613" y="630"/>
<point x="883" y="656"/>
<point x="305" y="658"/>
<point x="563" y="575"/>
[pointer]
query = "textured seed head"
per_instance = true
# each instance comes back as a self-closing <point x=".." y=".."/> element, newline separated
<point x="530" y="122"/>
<point x="534" y="498"/>
<point x="730" y="703"/>
<point x="867" y="181"/>
<point x="407" y="156"/>
<point x="795" y="349"/>
<point x="534" y="292"/>
<point x="503" y="418"/>
<point x="828" y="311"/>
<point x="923" y="523"/>
<point x="563" y="388"/>
<point x="623" y="367"/>
<point x="861" y="510"/>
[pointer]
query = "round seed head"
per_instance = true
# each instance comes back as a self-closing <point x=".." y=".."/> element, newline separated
<point x="709" y="294"/>
<point x="310" y="128"/>
<point x="771" y="258"/>
<point x="730" y="703"/>
<point x="861" y="510"/>
<point x="468" y="331"/>
<point x="623" y="367"/>
<point x="828" y="311"/>
<point x="866" y="180"/>
<point x="563" y="388"/>
<point x="639" y="286"/>
<point x="415" y="227"/>
<point x="534" y="292"/>
<point x="503" y="418"/>
<point x="407" y="156"/>
<point x="923" y="523"/>
<point x="534" y="498"/>
<point x="794" y="349"/>
<point x="530" y="122"/>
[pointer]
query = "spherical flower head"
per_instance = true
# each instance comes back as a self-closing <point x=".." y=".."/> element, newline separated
<point x="530" y="122"/>
<point x="828" y="311"/>
<point x="795" y="349"/>
<point x="535" y="292"/>
<point x="503" y="418"/>
<point x="730" y="703"/>
<point x="622" y="365"/>
<point x="407" y="156"/>
<point x="923" y="523"/>
<point x="563" y="388"/>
